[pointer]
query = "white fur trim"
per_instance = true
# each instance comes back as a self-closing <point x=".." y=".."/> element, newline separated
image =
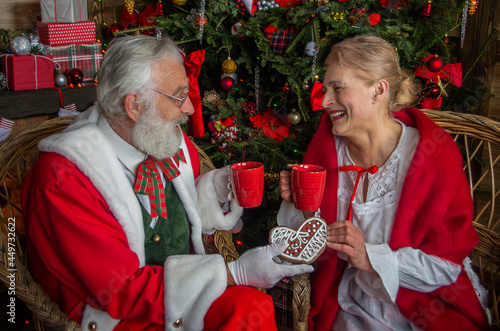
<point x="83" y="144"/>
<point x="192" y="283"/>
<point x="209" y="207"/>
<point x="99" y="317"/>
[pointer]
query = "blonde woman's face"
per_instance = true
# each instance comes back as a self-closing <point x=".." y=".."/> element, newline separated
<point x="348" y="100"/>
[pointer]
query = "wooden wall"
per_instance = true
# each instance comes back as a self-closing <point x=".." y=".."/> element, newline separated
<point x="19" y="14"/>
<point x="22" y="14"/>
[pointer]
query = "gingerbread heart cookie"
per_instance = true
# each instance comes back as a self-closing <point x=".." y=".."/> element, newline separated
<point x="304" y="244"/>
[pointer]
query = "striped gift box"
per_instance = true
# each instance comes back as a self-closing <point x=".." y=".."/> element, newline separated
<point x="54" y="34"/>
<point x="86" y="57"/>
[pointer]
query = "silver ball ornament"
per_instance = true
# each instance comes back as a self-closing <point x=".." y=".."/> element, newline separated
<point x="306" y="86"/>
<point x="20" y="46"/>
<point x="60" y="80"/>
<point x="310" y="48"/>
<point x="293" y="117"/>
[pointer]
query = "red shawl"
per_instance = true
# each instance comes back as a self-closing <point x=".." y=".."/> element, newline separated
<point x="434" y="215"/>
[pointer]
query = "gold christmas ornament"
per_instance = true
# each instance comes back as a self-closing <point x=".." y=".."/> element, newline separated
<point x="179" y="2"/>
<point x="229" y="66"/>
<point x="271" y="177"/>
<point x="129" y="5"/>
<point x="316" y="77"/>
<point x="293" y="117"/>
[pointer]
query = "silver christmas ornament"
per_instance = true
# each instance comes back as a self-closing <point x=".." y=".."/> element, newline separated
<point x="60" y="80"/>
<point x="20" y="46"/>
<point x="293" y="117"/>
<point x="310" y="48"/>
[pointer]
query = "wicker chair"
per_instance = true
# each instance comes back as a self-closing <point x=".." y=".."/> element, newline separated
<point x="479" y="139"/>
<point x="17" y="155"/>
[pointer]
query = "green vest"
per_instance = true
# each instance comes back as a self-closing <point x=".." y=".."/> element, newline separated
<point x="169" y="236"/>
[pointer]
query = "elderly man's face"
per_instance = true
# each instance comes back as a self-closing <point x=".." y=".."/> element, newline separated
<point x="156" y="132"/>
<point x="170" y="78"/>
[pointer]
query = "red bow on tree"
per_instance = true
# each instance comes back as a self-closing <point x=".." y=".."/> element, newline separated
<point x="271" y="124"/>
<point x="450" y="73"/>
<point x="193" y="63"/>
<point x="317" y="96"/>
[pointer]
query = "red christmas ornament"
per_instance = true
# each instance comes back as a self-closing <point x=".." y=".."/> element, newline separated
<point x="435" y="64"/>
<point x="426" y="11"/>
<point x="113" y="28"/>
<point x="200" y="21"/>
<point x="159" y="8"/>
<point x="374" y="19"/>
<point x="286" y="88"/>
<point x="435" y="92"/>
<point x="75" y="77"/>
<point x="227" y="83"/>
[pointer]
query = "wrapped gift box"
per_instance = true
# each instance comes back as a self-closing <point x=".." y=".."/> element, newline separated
<point x="86" y="57"/>
<point x="55" y="34"/>
<point x="30" y="72"/>
<point x="63" y="11"/>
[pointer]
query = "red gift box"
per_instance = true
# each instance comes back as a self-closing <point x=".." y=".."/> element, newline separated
<point x="30" y="72"/>
<point x="54" y="34"/>
<point x="86" y="57"/>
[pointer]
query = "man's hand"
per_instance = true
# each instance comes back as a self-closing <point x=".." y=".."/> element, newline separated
<point x="257" y="268"/>
<point x="222" y="183"/>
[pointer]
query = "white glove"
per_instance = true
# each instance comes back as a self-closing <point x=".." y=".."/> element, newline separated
<point x="257" y="268"/>
<point x="222" y="184"/>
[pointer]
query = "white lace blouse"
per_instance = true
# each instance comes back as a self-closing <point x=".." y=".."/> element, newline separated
<point x="367" y="300"/>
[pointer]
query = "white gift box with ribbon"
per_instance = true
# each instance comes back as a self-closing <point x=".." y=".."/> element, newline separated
<point x="63" y="11"/>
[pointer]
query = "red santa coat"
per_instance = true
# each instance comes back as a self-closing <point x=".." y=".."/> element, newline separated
<point x="434" y="215"/>
<point x="84" y="225"/>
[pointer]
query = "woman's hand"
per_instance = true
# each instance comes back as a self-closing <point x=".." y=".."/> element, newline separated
<point x="347" y="238"/>
<point x="286" y="184"/>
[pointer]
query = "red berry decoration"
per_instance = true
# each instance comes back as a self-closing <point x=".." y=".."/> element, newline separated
<point x="435" y="64"/>
<point x="227" y="83"/>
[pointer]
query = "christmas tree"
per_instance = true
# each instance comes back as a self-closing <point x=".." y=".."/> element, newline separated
<point x="262" y="59"/>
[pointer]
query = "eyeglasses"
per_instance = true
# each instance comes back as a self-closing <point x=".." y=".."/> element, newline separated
<point x="177" y="101"/>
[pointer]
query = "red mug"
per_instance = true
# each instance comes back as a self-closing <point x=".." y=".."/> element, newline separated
<point x="308" y="186"/>
<point x="248" y="183"/>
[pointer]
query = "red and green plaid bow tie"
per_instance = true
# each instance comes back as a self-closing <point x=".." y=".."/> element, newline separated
<point x="148" y="180"/>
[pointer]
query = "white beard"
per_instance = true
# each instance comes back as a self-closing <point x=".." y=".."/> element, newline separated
<point x="151" y="135"/>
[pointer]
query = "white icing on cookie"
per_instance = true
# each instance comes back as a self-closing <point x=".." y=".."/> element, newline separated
<point x="305" y="244"/>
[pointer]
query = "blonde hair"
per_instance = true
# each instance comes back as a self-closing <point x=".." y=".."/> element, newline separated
<point x="375" y="59"/>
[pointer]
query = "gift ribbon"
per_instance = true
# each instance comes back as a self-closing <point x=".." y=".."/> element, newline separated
<point x="361" y="171"/>
<point x="36" y="67"/>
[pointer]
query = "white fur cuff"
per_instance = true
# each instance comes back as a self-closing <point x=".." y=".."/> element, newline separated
<point x="192" y="283"/>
